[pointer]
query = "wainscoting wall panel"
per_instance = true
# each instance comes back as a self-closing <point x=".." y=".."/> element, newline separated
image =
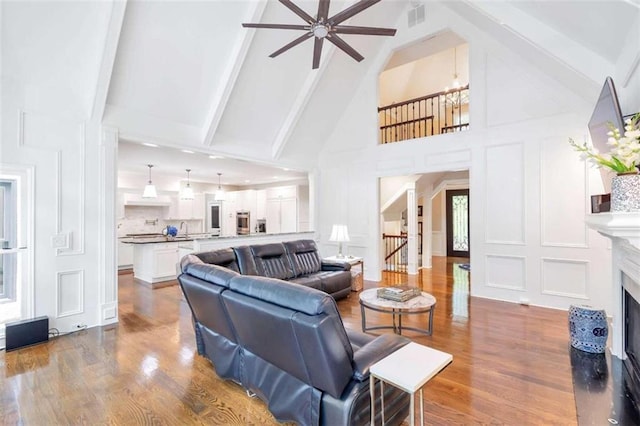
<point x="505" y="209"/>
<point x="565" y="277"/>
<point x="54" y="136"/>
<point x="506" y="272"/>
<point x="563" y="194"/>
<point x="70" y="293"/>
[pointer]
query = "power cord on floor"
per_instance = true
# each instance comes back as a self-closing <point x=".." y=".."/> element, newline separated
<point x="54" y="332"/>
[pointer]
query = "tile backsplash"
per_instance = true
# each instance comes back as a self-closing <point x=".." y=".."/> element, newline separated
<point x="150" y="219"/>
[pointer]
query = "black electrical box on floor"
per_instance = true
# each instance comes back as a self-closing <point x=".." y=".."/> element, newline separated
<point x="26" y="333"/>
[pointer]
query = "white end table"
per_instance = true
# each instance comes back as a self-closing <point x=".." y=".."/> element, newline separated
<point x="357" y="281"/>
<point x="409" y="368"/>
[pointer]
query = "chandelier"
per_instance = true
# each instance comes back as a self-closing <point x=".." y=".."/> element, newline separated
<point x="457" y="95"/>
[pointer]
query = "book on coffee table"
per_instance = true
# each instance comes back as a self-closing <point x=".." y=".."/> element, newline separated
<point x="398" y="294"/>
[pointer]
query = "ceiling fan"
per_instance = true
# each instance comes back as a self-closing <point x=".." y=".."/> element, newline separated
<point x="322" y="27"/>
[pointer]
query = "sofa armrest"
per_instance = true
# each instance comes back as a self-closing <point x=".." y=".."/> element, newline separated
<point x="373" y="352"/>
<point x="334" y="266"/>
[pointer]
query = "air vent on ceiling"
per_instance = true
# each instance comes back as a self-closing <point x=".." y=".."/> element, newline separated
<point x="416" y="15"/>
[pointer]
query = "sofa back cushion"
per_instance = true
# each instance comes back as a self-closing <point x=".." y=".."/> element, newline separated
<point x="202" y="285"/>
<point x="223" y="257"/>
<point x="245" y="260"/>
<point x="295" y="328"/>
<point x="271" y="261"/>
<point x="304" y="256"/>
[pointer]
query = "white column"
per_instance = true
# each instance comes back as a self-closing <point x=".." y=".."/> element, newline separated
<point x="427" y="225"/>
<point x="107" y="220"/>
<point x="412" y="232"/>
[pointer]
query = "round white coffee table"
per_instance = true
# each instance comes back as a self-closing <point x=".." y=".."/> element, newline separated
<point x="425" y="303"/>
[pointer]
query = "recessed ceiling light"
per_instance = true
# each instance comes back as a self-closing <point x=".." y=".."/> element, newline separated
<point x="247" y="181"/>
<point x="275" y="177"/>
<point x="285" y="169"/>
<point x="152" y="145"/>
<point x="186" y="151"/>
<point x="215" y="157"/>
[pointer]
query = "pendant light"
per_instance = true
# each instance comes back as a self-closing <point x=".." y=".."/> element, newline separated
<point x="219" y="192"/>
<point x="187" y="192"/>
<point x="150" y="189"/>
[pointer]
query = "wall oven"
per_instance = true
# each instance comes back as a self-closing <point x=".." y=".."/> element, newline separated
<point x="243" y="221"/>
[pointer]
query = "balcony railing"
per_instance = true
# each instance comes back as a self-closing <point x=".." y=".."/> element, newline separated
<point x="442" y="112"/>
<point x="396" y="252"/>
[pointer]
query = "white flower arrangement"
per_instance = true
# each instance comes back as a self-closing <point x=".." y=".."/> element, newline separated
<point x="624" y="156"/>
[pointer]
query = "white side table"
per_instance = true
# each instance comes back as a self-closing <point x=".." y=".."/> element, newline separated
<point x="409" y="368"/>
<point x="357" y="281"/>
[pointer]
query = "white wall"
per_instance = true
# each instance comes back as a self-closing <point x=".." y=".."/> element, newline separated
<point x="529" y="190"/>
<point x="49" y="73"/>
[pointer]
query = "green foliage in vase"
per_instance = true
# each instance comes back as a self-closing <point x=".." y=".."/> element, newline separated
<point x="624" y="156"/>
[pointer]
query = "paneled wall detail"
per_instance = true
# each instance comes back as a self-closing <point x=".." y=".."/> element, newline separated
<point x="70" y="293"/>
<point x="65" y="140"/>
<point x="507" y="272"/>
<point x="563" y="194"/>
<point x="565" y="277"/>
<point x="505" y="207"/>
<point x="438" y="241"/>
<point x="452" y="159"/>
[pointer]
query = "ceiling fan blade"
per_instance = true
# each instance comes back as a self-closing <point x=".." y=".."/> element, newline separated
<point x="279" y="26"/>
<point x="346" y="29"/>
<point x="317" y="51"/>
<point x="323" y="10"/>
<point x="295" y="9"/>
<point x="350" y="11"/>
<point x="295" y="42"/>
<point x="342" y="45"/>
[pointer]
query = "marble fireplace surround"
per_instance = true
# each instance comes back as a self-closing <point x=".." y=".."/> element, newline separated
<point x="624" y="231"/>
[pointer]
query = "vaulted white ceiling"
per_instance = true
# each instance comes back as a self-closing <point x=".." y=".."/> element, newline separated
<point x="187" y="74"/>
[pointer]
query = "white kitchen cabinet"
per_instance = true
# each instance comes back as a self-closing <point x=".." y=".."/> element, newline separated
<point x="280" y="192"/>
<point x="281" y="215"/>
<point x="229" y="214"/>
<point x="261" y="204"/>
<point x="125" y="255"/>
<point x="155" y="262"/>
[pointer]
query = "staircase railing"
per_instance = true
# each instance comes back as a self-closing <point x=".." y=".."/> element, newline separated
<point x="396" y="252"/>
<point x="437" y="113"/>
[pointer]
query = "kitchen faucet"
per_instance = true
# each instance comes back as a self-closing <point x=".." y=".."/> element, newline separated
<point x="186" y="226"/>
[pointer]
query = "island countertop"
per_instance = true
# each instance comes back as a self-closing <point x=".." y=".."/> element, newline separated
<point x="159" y="238"/>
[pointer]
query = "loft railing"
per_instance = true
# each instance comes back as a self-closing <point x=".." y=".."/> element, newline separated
<point x="442" y="112"/>
<point x="396" y="252"/>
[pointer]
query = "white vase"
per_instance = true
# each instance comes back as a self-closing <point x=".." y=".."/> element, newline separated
<point x="625" y="193"/>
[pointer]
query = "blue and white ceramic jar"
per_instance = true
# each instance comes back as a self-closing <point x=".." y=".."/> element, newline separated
<point x="588" y="328"/>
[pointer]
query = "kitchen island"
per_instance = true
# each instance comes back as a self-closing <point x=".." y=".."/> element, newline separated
<point x="156" y="258"/>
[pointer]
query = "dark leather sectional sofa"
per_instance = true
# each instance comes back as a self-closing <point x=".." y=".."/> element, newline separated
<point x="287" y="344"/>
<point x="294" y="261"/>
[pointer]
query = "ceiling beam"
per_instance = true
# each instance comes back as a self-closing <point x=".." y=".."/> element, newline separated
<point x="114" y="28"/>
<point x="230" y="75"/>
<point x="541" y="45"/>
<point x="304" y="96"/>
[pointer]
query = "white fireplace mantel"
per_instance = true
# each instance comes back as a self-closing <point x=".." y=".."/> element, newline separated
<point x="617" y="225"/>
<point x="624" y="231"/>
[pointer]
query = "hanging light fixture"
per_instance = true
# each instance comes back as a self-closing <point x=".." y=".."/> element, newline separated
<point x="150" y="188"/>
<point x="187" y="191"/>
<point x="455" y="97"/>
<point x="219" y="192"/>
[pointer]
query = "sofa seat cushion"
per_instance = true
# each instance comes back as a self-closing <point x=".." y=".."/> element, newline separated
<point x="308" y="281"/>
<point x="333" y="281"/>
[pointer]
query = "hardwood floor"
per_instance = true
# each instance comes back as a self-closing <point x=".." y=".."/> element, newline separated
<point x="510" y="364"/>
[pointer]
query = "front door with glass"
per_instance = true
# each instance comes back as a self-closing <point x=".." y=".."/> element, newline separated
<point x="458" y="223"/>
